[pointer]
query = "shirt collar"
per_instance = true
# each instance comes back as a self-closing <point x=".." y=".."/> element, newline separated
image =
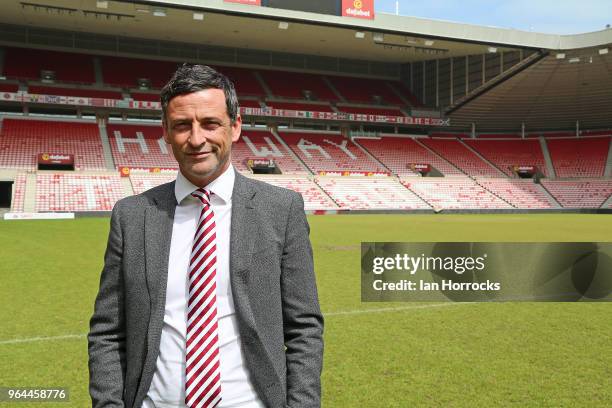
<point x="222" y="186"/>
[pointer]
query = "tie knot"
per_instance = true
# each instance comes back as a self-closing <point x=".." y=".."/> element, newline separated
<point x="202" y="195"/>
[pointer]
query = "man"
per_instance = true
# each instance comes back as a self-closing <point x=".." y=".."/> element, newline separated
<point x="207" y="296"/>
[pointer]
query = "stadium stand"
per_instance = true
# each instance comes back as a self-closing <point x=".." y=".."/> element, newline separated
<point x="371" y="110"/>
<point x="145" y="96"/>
<point x="19" y="186"/>
<point x="454" y="193"/>
<point x="125" y="72"/>
<point x="142" y="182"/>
<point x="319" y="107"/>
<point x="293" y="85"/>
<point x="262" y="144"/>
<point x="456" y="153"/>
<point x="505" y="154"/>
<point x="79" y="92"/>
<point x="21" y="63"/>
<point x="579" y="193"/>
<point x="521" y="193"/>
<point x="8" y="87"/>
<point x="358" y="193"/>
<point x="314" y="197"/>
<point x="139" y="146"/>
<point x="397" y="153"/>
<point x="583" y="157"/>
<point x="76" y="192"/>
<point x="245" y="81"/>
<point x="249" y="103"/>
<point x="362" y="90"/>
<point x="22" y="140"/>
<point x="329" y="152"/>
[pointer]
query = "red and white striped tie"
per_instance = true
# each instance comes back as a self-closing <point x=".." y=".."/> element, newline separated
<point x="202" y="372"/>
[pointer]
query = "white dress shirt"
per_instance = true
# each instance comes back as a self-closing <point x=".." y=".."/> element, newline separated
<point x="168" y="384"/>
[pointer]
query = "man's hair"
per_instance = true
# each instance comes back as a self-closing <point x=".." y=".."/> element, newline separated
<point x="190" y="78"/>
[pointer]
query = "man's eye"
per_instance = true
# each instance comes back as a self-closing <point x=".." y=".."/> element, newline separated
<point x="181" y="126"/>
<point x="211" y="126"/>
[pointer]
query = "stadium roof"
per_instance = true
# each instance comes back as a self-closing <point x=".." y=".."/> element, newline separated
<point x="553" y="93"/>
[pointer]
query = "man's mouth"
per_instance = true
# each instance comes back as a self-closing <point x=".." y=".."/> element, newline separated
<point x="200" y="154"/>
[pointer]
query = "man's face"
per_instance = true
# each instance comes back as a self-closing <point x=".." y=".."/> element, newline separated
<point x="201" y="134"/>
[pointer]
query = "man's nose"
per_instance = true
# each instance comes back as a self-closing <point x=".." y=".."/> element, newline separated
<point x="198" y="135"/>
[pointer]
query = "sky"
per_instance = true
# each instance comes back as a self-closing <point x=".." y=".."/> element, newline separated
<point x="544" y="16"/>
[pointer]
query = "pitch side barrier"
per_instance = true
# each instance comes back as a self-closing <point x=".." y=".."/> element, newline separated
<point x="85" y="214"/>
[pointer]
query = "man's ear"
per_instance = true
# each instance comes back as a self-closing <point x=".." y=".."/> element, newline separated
<point x="236" y="128"/>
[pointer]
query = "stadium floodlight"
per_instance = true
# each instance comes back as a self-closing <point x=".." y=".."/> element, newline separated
<point x="103" y="4"/>
<point x="283" y="25"/>
<point x="378" y="37"/>
<point x="492" y="50"/>
<point x="429" y="43"/>
<point x="198" y="16"/>
<point x="560" y="55"/>
<point x="159" y="13"/>
<point x="360" y="35"/>
<point x="603" y="51"/>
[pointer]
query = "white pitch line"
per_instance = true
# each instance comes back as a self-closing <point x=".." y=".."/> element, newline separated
<point x="339" y="313"/>
<point x="49" y="338"/>
<point x="391" y="309"/>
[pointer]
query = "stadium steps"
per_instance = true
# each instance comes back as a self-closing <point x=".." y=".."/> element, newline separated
<point x="424" y="146"/>
<point x="291" y="152"/>
<point x="334" y="89"/>
<point x="263" y="84"/>
<point x="126" y="186"/>
<point x="399" y="95"/>
<point x="371" y="156"/>
<point x="106" y="147"/>
<point x="484" y="159"/>
<point x="334" y="107"/>
<point x="98" y="71"/>
<point x="316" y="180"/>
<point x="29" y="202"/>
<point x="550" y="169"/>
<point x="551" y="197"/>
<point x="607" y="203"/>
<point x="608" y="170"/>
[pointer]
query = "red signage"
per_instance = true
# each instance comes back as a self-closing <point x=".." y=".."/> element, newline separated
<point x="353" y="173"/>
<point x="358" y="9"/>
<point x="251" y="2"/>
<point x="53" y="158"/>
<point x="125" y="171"/>
<point x="257" y="162"/>
<point x="422" y="167"/>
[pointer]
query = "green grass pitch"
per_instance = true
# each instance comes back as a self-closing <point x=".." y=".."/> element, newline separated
<point x="376" y="355"/>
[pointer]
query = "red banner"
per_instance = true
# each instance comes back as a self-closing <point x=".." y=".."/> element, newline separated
<point x="54" y="158"/>
<point x="358" y="9"/>
<point x="268" y="112"/>
<point x="251" y="2"/>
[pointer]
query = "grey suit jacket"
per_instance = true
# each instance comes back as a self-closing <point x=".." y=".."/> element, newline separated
<point x="272" y="281"/>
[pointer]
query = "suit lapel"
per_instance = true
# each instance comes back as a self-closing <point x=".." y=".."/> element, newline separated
<point x="242" y="236"/>
<point x="158" y="233"/>
<point x="159" y="217"/>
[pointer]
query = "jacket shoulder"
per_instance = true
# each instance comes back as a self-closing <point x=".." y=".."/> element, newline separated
<point x="271" y="193"/>
<point x="163" y="192"/>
